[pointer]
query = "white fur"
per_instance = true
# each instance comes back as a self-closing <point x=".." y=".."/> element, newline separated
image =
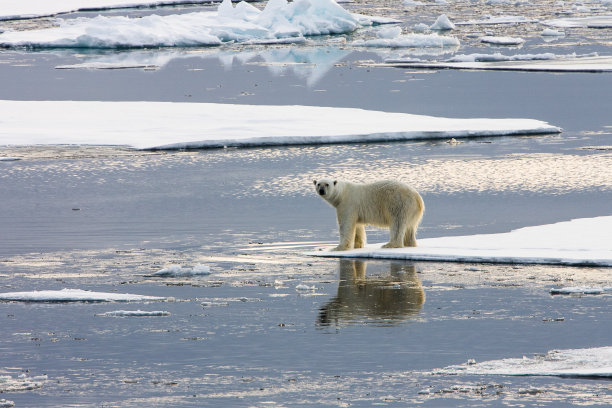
<point x="383" y="204"/>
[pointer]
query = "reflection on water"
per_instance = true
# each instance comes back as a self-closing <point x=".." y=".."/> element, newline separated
<point x="310" y="63"/>
<point x="388" y="300"/>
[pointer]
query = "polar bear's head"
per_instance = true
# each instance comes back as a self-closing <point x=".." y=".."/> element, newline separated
<point x="328" y="189"/>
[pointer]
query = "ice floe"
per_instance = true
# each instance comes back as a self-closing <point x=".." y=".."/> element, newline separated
<point x="581" y="22"/>
<point x="584" y="241"/>
<point x="580" y="290"/>
<point x="74" y="295"/>
<point x="589" y="362"/>
<point x="278" y="22"/>
<point x="178" y="271"/>
<point x="134" y="313"/>
<point x="165" y="125"/>
<point x="518" y="63"/>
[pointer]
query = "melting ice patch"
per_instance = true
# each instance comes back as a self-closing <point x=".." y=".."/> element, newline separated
<point x="74" y="295"/>
<point x="165" y="125"/>
<point x="584" y="241"/>
<point x="591" y="362"/>
<point x="278" y="22"/>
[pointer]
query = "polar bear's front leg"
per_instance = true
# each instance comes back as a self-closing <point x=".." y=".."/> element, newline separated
<point x="347" y="227"/>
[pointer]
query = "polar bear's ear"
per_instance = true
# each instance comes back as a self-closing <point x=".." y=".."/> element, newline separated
<point x="315" y="182"/>
<point x="335" y="182"/>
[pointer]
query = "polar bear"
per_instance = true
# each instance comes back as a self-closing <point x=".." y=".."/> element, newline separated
<point x="382" y="203"/>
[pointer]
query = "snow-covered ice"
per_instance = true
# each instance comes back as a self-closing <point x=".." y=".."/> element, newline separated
<point x="278" y="22"/>
<point x="580" y="290"/>
<point x="502" y="40"/>
<point x="74" y="295"/>
<point x="148" y="125"/>
<point x="179" y="271"/>
<point x="584" y="241"/>
<point x="556" y="64"/>
<point x="135" y="313"/>
<point x="588" y="362"/>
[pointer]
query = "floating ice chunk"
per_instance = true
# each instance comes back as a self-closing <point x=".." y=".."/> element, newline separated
<point x="4" y="403"/>
<point x="410" y="41"/>
<point x="8" y="159"/>
<point x="134" y="313"/>
<point x="412" y="3"/>
<point x="502" y="40"/>
<point x="583" y="290"/>
<point x="420" y="28"/>
<point x="584" y="241"/>
<point x="74" y="295"/>
<point x="549" y="32"/>
<point x="178" y="271"/>
<point x="591" y="362"/>
<point x="389" y="32"/>
<point x="303" y="287"/>
<point x="442" y="23"/>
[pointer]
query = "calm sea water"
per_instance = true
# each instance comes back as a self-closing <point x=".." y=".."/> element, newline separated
<point x="102" y="218"/>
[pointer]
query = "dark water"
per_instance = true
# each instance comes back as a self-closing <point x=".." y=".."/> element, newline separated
<point x="360" y="334"/>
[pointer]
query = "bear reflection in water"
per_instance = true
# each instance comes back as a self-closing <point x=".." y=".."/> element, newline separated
<point x="379" y="299"/>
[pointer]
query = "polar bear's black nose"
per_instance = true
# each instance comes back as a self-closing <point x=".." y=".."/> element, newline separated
<point x="321" y="191"/>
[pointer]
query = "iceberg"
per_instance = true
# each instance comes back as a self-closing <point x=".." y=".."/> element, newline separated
<point x="279" y="22"/>
<point x="589" y="362"/>
<point x="74" y="295"/>
<point x="167" y="125"/>
<point x="579" y="242"/>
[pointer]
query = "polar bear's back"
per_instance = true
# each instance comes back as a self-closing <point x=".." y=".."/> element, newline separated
<point x="381" y="201"/>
